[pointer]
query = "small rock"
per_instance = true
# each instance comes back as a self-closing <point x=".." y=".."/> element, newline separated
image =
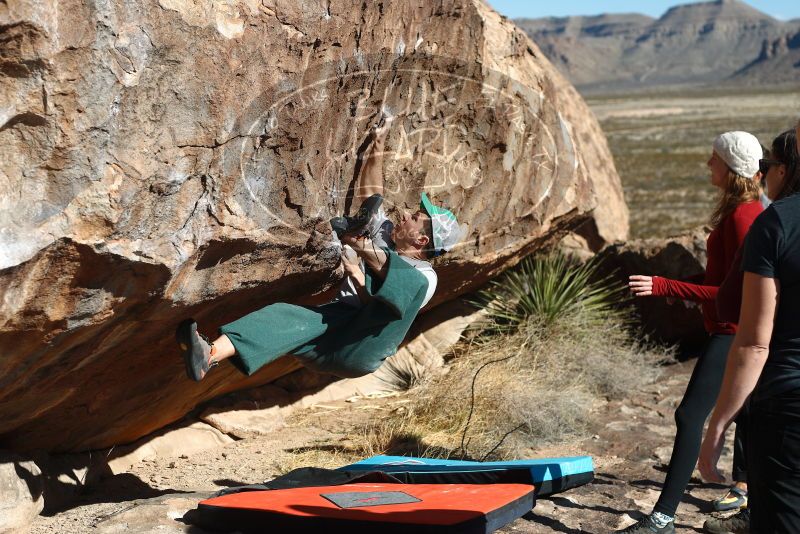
<point x="243" y="422"/>
<point x="21" y="489"/>
<point x="160" y="514"/>
<point x="663" y="454"/>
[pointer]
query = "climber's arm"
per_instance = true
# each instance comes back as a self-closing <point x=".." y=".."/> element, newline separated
<point x="375" y="258"/>
<point x="371" y="180"/>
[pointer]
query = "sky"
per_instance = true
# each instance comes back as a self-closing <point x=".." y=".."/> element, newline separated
<point x="780" y="9"/>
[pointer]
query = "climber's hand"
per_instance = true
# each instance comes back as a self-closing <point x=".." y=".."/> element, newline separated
<point x="352" y="268"/>
<point x="357" y="242"/>
<point x="374" y="257"/>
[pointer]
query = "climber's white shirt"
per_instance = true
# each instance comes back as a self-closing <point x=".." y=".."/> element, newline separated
<point x="380" y="232"/>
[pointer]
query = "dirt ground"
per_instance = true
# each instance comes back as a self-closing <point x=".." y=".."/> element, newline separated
<point x="631" y="442"/>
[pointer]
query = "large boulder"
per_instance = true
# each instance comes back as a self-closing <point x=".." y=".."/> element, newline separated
<point x="173" y="158"/>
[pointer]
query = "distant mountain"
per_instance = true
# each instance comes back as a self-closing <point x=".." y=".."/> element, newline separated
<point x="779" y="61"/>
<point x="724" y="40"/>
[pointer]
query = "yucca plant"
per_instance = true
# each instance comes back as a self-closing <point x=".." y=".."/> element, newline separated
<point x="546" y="287"/>
<point x="400" y="374"/>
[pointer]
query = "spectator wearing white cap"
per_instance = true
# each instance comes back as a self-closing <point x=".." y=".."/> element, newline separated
<point x="734" y="170"/>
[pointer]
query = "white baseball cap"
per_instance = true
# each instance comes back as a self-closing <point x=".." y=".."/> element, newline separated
<point x="741" y="151"/>
<point x="446" y="230"/>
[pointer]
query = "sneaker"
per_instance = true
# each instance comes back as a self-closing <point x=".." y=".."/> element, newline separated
<point x="646" y="525"/>
<point x="738" y="523"/>
<point x="735" y="499"/>
<point x="356" y="223"/>
<point x="195" y="349"/>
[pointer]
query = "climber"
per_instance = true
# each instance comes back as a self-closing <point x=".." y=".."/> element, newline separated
<point x="388" y="279"/>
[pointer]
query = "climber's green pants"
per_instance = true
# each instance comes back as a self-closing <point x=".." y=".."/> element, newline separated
<point x="267" y="334"/>
<point x="334" y="338"/>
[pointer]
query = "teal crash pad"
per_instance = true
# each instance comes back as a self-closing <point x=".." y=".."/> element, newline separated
<point x="549" y="475"/>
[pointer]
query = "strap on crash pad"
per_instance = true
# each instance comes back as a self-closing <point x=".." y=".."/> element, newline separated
<point x="306" y="477"/>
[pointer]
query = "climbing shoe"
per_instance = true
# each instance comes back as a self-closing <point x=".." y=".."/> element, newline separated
<point x="195" y="349"/>
<point x="357" y="223"/>
<point x="738" y="523"/>
<point x="733" y="500"/>
<point x="647" y="525"/>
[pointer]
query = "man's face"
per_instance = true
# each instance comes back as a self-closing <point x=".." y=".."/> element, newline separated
<point x="410" y="229"/>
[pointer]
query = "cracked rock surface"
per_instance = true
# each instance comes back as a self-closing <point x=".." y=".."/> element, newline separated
<point x="169" y="158"/>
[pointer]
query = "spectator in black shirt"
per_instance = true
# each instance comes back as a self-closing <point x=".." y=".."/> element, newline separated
<point x="765" y="356"/>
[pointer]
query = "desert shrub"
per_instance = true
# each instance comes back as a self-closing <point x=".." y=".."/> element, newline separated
<point x="544" y="288"/>
<point x="556" y="340"/>
<point x="401" y="374"/>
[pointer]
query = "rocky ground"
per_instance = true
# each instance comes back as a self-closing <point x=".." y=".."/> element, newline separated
<point x="631" y="443"/>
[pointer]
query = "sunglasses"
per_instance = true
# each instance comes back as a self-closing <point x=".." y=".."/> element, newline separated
<point x="765" y="164"/>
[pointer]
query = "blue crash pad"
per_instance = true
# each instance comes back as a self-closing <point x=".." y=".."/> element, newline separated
<point x="549" y="475"/>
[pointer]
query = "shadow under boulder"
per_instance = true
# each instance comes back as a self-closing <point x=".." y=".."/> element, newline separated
<point x="682" y="258"/>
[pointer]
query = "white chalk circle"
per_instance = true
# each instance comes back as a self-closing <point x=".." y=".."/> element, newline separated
<point x="291" y="167"/>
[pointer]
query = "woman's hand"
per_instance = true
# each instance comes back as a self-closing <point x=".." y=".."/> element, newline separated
<point x="710" y="452"/>
<point x="640" y="285"/>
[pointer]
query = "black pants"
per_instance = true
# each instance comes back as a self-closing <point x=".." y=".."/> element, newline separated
<point x="773" y="461"/>
<point x="696" y="405"/>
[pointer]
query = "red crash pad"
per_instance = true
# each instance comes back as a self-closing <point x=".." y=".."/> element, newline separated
<point x="438" y="508"/>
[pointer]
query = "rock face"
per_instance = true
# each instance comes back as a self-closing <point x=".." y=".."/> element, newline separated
<point x="172" y="158"/>
<point x="679" y="258"/>
<point x="702" y="42"/>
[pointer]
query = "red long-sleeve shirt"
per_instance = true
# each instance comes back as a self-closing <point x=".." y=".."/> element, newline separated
<point x="722" y="245"/>
<point x="729" y="296"/>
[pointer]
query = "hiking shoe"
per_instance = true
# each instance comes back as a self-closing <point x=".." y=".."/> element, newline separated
<point x="738" y="523"/>
<point x="733" y="500"/>
<point x="356" y="223"/>
<point x="195" y="349"/>
<point x="646" y="525"/>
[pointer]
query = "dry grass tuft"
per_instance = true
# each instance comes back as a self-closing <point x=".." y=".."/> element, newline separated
<point x="327" y="458"/>
<point x="399" y="436"/>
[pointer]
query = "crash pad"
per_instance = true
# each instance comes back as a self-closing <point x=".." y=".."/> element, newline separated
<point x="429" y="508"/>
<point x="548" y="475"/>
